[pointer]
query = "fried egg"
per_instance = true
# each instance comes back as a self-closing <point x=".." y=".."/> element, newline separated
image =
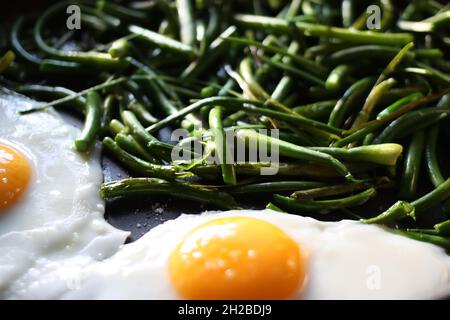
<point x="258" y="255"/>
<point x="50" y="208"/>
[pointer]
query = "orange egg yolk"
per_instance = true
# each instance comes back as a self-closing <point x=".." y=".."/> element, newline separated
<point x="237" y="258"/>
<point x="15" y="175"/>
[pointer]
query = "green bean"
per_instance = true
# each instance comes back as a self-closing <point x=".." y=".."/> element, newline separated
<point x="302" y="74"/>
<point x="423" y="231"/>
<point x="393" y="64"/>
<point x="96" y="59"/>
<point x="45" y="65"/>
<point x="119" y="48"/>
<point x="138" y="93"/>
<point x="324" y="49"/>
<point x="213" y="27"/>
<point x="378" y="52"/>
<point x="221" y="145"/>
<point x="349" y="101"/>
<point x="93" y="22"/>
<point x="291" y="170"/>
<point x="273" y="207"/>
<point x="49" y="92"/>
<point x="110" y="108"/>
<point x="431" y="154"/>
<point x="293" y="151"/>
<point x="144" y="116"/>
<point x="431" y="53"/>
<point x="356" y="136"/>
<point x="360" y="22"/>
<point x="399" y="210"/>
<point x="282" y="89"/>
<point x="234" y="117"/>
<point x="399" y="104"/>
<point x="275" y="186"/>
<point x="443" y="228"/>
<point x="431" y="157"/>
<point x="121" y="12"/>
<point x="388" y="14"/>
<point x="6" y="60"/>
<point x="336" y="77"/>
<point x="156" y="94"/>
<point x="139" y="133"/>
<point x="17" y="45"/>
<point x="384" y="154"/>
<point x="92" y="123"/>
<point x="307" y="64"/>
<point x="130" y="145"/>
<point x="224" y="91"/>
<point x="286" y="82"/>
<point x="381" y="86"/>
<point x="112" y="22"/>
<point x="444" y="101"/>
<point x="186" y="21"/>
<point x="410" y="11"/>
<point x="409" y="122"/>
<point x="431" y="24"/>
<point x="323" y="206"/>
<point x="106" y="84"/>
<point x="331" y="190"/>
<point x="249" y="83"/>
<point x="215" y="51"/>
<point x="264" y="72"/>
<point x="318" y="30"/>
<point x="138" y="165"/>
<point x="397" y="93"/>
<point x="115" y="127"/>
<point x="162" y="41"/>
<point x="298" y="137"/>
<point x="403" y="209"/>
<point x="412" y="166"/>
<point x="53" y="66"/>
<point x="155" y="186"/>
<point x="428" y="71"/>
<point x="372" y="100"/>
<point x="170" y="14"/>
<point x="167" y="149"/>
<point x="244" y="104"/>
<point x="184" y="92"/>
<point x="397" y="114"/>
<point x="206" y="134"/>
<point x="441" y="193"/>
<point x="352" y="54"/>
<point x="317" y="111"/>
<point x="196" y="106"/>
<point x="152" y="75"/>
<point x="433" y="239"/>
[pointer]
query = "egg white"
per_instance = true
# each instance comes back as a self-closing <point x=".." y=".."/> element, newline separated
<point x="60" y="215"/>
<point x="345" y="260"/>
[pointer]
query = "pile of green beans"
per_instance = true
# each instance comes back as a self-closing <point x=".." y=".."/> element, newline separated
<point x="358" y="110"/>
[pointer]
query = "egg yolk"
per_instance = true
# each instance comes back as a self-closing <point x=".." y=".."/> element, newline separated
<point x="237" y="258"/>
<point x="15" y="175"/>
